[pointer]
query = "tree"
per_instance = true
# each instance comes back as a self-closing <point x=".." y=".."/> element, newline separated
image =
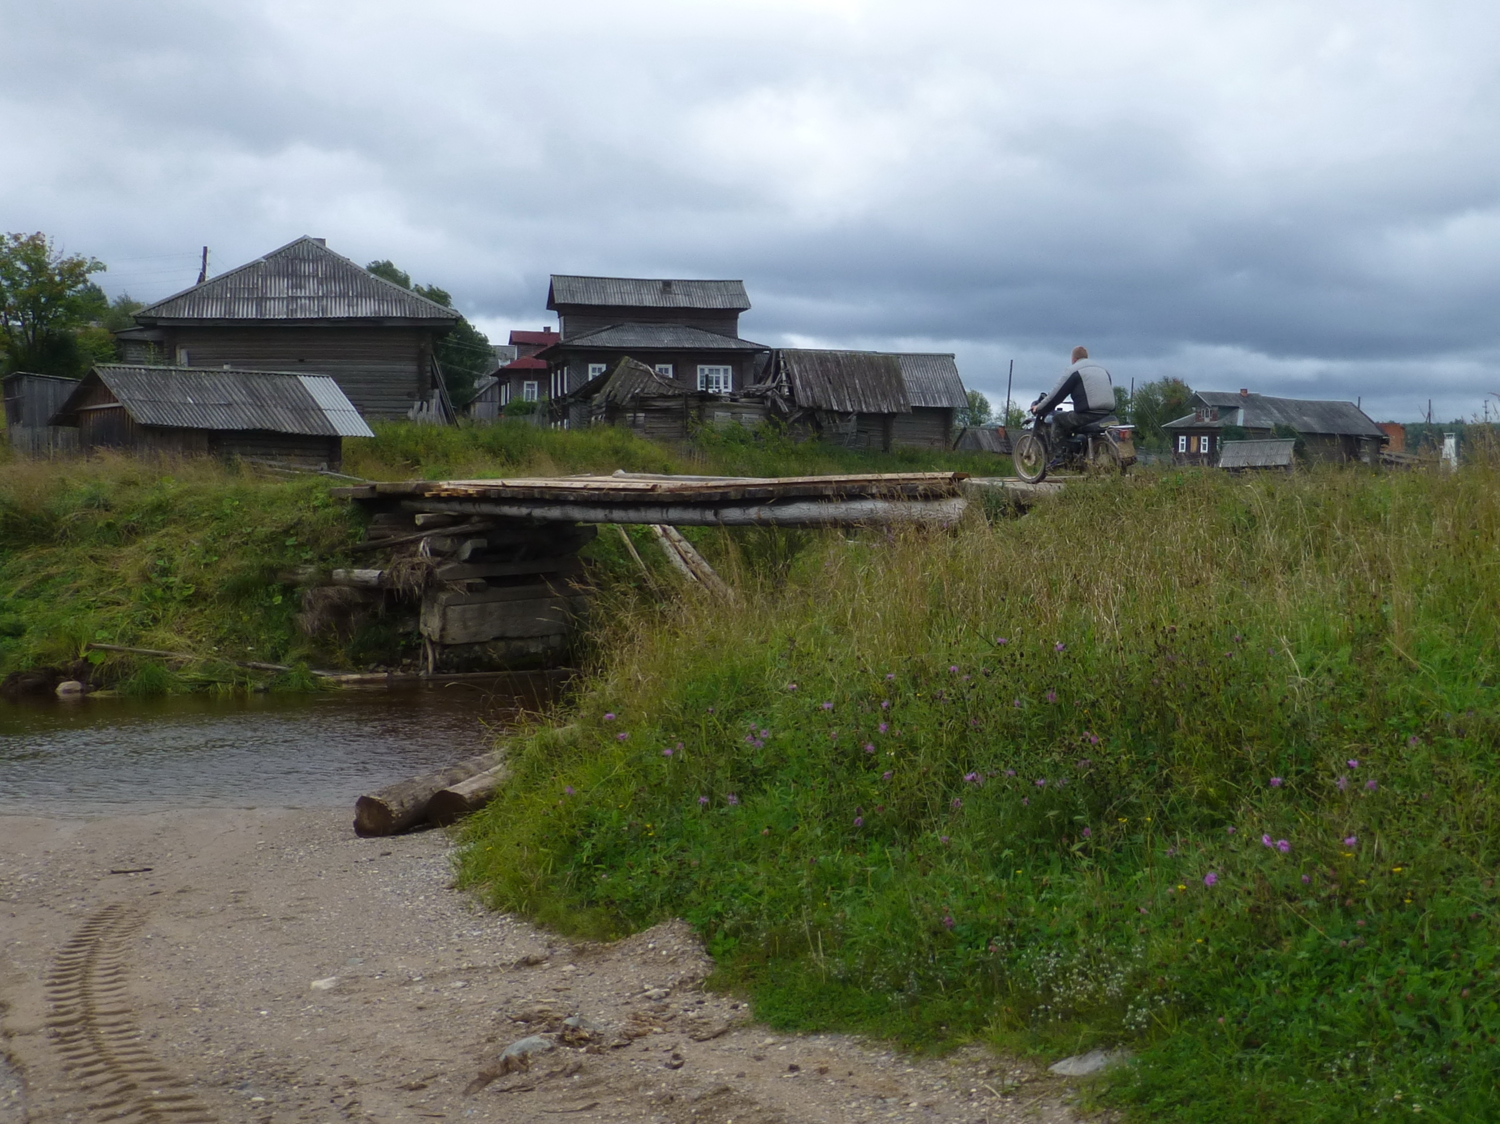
<point x="464" y="355"/>
<point x="45" y="298"/>
<point x="978" y="411"/>
<point x="1155" y="404"/>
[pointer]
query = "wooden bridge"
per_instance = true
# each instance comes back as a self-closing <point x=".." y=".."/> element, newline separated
<point x="493" y="562"/>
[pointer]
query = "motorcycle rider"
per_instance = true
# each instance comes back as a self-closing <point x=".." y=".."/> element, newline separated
<point x="1092" y="392"/>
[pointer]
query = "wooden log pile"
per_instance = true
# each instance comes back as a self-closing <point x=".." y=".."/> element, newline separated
<point x="438" y="798"/>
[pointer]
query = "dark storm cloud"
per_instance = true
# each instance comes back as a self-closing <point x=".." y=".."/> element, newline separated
<point x="1299" y="199"/>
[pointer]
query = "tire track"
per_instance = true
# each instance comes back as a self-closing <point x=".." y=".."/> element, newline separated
<point x="94" y="1030"/>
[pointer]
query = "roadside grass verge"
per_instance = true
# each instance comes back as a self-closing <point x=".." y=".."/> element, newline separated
<point x="1195" y="764"/>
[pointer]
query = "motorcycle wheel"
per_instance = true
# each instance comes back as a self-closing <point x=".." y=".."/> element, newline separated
<point x="1106" y="459"/>
<point x="1030" y="457"/>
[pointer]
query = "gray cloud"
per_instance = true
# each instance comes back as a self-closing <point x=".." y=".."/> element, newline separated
<point x="1299" y="199"/>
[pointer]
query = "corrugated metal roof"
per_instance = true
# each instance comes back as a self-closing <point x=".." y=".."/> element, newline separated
<point x="646" y="292"/>
<point x="198" y="398"/>
<point x="1277" y="453"/>
<point x="658" y="337"/>
<point x="303" y="280"/>
<point x="847" y="382"/>
<point x="1258" y="411"/>
<point x="932" y="380"/>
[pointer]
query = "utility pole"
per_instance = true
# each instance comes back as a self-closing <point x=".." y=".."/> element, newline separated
<point x="1131" y="418"/>
<point x="1008" y="379"/>
<point x="203" y="269"/>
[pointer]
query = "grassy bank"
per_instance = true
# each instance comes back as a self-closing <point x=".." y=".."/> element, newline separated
<point x="1200" y="765"/>
<point x="187" y="556"/>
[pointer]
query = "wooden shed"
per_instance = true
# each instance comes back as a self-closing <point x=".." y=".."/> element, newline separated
<point x="936" y="394"/>
<point x="307" y="309"/>
<point x="632" y="395"/>
<point x="178" y="411"/>
<point x="30" y="402"/>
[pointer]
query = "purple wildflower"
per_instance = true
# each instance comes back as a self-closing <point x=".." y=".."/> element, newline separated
<point x="1041" y="782"/>
<point x="889" y="676"/>
<point x="1010" y="772"/>
<point x="953" y="669"/>
<point x="947" y="921"/>
<point x="1016" y="703"/>
<point x="972" y="778"/>
<point x="885" y="704"/>
<point x="731" y="798"/>
<point x="568" y="790"/>
<point x="869" y="747"/>
<point x="1343" y="783"/>
<point x="957" y="804"/>
<point x="859" y="821"/>
<point x="885" y="776"/>
<point x="1265" y="841"/>
<point x="828" y="706"/>
<point x="1230" y="830"/>
<point x="1051" y="696"/>
<point x="1088" y="833"/>
<point x="943" y="839"/>
<point x="1352" y="763"/>
<point x="1371" y="786"/>
<point x="1025" y="801"/>
<point x="1350" y="840"/>
<point x="609" y="716"/>
<point x="702" y="800"/>
<point x="1306" y="879"/>
<point x="765" y="733"/>
<point x="621" y="737"/>
<point x="667" y="752"/>
<point x="1059" y="646"/>
<point x="1210" y="878"/>
<point x="1093" y="739"/>
<point x="1275" y="782"/>
<point x="1001" y="640"/>
<point x="882" y="727"/>
<point x="791" y="686"/>
<point x="1412" y="740"/>
<point x="1283" y="846"/>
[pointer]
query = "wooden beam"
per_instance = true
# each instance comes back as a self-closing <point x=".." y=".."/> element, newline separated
<point x="812" y="513"/>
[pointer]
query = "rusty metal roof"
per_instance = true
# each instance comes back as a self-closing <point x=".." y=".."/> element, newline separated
<point x="303" y="280"/>
<point x="545" y="336"/>
<point x="645" y="292"/>
<point x="847" y="382"/>
<point x="204" y="398"/>
<point x="932" y="380"/>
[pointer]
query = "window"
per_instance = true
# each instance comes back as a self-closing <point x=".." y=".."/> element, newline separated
<point x="1207" y="443"/>
<point x="504" y="393"/>
<point x="664" y="370"/>
<point x="595" y="370"/>
<point x="1182" y="444"/>
<point x="715" y="380"/>
<point x="529" y="392"/>
<point x="559" y="382"/>
<point x="182" y="357"/>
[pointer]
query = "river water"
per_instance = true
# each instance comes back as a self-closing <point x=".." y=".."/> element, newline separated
<point x="100" y="756"/>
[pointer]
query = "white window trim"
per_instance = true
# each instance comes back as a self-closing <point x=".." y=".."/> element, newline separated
<point x="664" y="370"/>
<point x="597" y="369"/>
<point x="530" y="391"/>
<point x="1182" y="442"/>
<point x="719" y="373"/>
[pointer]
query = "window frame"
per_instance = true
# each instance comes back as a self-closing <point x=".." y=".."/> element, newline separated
<point x="664" y="370"/>
<point x="531" y="390"/>
<point x="1182" y="443"/>
<point x="719" y="370"/>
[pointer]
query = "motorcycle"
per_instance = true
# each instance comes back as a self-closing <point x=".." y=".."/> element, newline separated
<point x="1105" y="446"/>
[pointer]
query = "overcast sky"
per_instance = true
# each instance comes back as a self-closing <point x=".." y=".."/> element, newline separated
<point x="1298" y="198"/>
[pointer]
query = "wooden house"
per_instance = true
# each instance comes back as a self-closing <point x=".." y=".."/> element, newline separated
<point x="870" y="399"/>
<point x="1326" y="431"/>
<point x="521" y="378"/>
<point x="305" y="308"/>
<point x="180" y="411"/>
<point x="632" y="395"/>
<point x="30" y="402"/>
<point x="686" y="331"/>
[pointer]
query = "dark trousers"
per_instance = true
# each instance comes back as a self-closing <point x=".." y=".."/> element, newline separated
<point x="1065" y="425"/>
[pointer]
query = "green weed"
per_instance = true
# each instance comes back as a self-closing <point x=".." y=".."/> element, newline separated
<point x="1196" y="764"/>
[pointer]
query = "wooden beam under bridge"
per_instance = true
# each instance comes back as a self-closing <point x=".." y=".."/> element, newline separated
<point x="803" y="513"/>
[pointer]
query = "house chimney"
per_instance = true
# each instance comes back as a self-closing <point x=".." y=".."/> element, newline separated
<point x="666" y="286"/>
<point x="1244" y="393"/>
<point x="321" y="241"/>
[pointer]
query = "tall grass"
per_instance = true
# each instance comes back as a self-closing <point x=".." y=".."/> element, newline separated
<point x="1196" y="764"/>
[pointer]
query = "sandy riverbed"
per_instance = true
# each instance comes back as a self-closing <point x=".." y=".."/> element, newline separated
<point x="270" y="967"/>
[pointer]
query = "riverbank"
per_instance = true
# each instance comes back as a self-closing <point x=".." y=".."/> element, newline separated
<point x="1193" y="764"/>
<point x="275" y="968"/>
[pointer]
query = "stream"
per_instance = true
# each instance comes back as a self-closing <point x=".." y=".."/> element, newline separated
<point x="113" y="755"/>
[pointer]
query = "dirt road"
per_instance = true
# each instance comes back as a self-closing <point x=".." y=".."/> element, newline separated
<point x="267" y="966"/>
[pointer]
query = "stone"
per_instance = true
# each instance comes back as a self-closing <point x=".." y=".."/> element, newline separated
<point x="325" y="984"/>
<point x="1085" y="1065"/>
<point x="69" y="689"/>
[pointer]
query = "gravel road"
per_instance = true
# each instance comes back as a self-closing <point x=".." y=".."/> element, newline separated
<point x="266" y="966"/>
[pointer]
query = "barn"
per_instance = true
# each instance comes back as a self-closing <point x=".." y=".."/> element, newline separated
<point x="281" y="417"/>
<point x="30" y="402"/>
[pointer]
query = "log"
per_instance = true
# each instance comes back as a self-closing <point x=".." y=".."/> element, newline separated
<point x="398" y="540"/>
<point x="673" y="540"/>
<point x="458" y="800"/>
<point x="799" y="513"/>
<point x="403" y="805"/>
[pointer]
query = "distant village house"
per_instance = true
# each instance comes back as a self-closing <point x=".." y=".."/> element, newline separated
<point x="1327" y="431"/>
<point x="304" y="308"/>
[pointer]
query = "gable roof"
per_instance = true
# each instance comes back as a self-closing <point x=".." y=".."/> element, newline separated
<point x="303" y="280"/>
<point x="655" y="337"/>
<point x="646" y="292"/>
<point x="1258" y="411"/>
<point x="204" y="398"/>
<point x="846" y="382"/>
<point x="932" y="380"/>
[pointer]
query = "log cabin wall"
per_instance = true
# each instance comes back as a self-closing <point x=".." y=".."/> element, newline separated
<point x="383" y="370"/>
<point x="575" y="322"/>
<point x="286" y="448"/>
<point x="926" y="427"/>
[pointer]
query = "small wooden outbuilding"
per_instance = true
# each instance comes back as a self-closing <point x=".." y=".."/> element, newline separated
<point x="181" y="411"/>
<point x="30" y="401"/>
